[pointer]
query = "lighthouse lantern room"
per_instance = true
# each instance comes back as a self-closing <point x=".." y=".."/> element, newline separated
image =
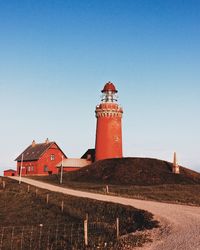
<point x="109" y="93"/>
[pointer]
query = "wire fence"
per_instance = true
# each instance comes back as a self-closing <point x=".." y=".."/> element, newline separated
<point x="74" y="230"/>
<point x="89" y="235"/>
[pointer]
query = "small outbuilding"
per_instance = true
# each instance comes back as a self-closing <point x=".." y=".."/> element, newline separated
<point x="89" y="155"/>
<point x="9" y="172"/>
<point x="72" y="164"/>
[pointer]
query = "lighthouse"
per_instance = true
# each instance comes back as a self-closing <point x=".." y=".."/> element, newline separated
<point x="109" y="128"/>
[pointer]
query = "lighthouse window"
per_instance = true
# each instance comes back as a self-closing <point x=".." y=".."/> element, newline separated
<point x="52" y="157"/>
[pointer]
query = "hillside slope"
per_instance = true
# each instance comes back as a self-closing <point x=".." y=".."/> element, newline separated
<point x="133" y="171"/>
<point x="28" y="221"/>
<point x="179" y="224"/>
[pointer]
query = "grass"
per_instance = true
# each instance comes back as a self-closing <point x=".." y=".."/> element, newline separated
<point x="20" y="208"/>
<point x="173" y="193"/>
<point x="133" y="171"/>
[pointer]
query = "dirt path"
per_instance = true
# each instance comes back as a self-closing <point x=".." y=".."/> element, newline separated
<point x="180" y="224"/>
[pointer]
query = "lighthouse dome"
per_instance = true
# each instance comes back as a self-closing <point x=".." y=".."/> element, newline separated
<point x="109" y="86"/>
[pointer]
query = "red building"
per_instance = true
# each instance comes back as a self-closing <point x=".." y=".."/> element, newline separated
<point x="9" y="172"/>
<point x="109" y="129"/>
<point x="39" y="159"/>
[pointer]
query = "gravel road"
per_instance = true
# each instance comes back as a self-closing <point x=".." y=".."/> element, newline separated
<point x="180" y="224"/>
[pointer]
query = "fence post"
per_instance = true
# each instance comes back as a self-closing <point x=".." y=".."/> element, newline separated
<point x="4" y="184"/>
<point x="62" y="206"/>
<point x="47" y="199"/>
<point x="22" y="238"/>
<point x="86" y="216"/>
<point x="40" y="236"/>
<point x="28" y="188"/>
<point x="86" y="232"/>
<point x="63" y="245"/>
<point x="31" y="237"/>
<point x="107" y="189"/>
<point x="117" y="227"/>
<point x="12" y="238"/>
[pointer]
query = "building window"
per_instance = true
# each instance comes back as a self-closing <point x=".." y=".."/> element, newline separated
<point x="52" y="157"/>
<point x="45" y="168"/>
<point x="30" y="168"/>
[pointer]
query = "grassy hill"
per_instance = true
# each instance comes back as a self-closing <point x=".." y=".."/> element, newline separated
<point x="141" y="178"/>
<point x="29" y="222"/>
<point x="133" y="171"/>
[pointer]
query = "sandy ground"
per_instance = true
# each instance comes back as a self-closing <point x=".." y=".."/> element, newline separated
<point x="180" y="224"/>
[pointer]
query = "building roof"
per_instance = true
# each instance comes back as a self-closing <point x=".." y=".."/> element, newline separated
<point x="91" y="152"/>
<point x="74" y="163"/>
<point x="109" y="86"/>
<point x="35" y="151"/>
<point x="10" y="170"/>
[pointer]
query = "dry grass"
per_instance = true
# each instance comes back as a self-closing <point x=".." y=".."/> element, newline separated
<point x="141" y="178"/>
<point x="133" y="171"/>
<point x="18" y="207"/>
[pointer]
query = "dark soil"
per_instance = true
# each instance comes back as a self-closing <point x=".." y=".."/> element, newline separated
<point x="30" y="211"/>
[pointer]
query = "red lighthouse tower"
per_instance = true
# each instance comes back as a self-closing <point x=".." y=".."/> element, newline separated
<point x="108" y="130"/>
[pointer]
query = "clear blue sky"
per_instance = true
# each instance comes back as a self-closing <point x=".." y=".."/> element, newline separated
<point x="55" y="57"/>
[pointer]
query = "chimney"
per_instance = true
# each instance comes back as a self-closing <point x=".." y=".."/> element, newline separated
<point x="47" y="141"/>
<point x="175" y="167"/>
<point x="33" y="143"/>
